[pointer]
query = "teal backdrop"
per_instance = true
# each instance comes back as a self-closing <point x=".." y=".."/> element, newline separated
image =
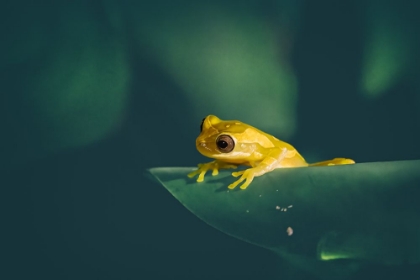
<point x="92" y="93"/>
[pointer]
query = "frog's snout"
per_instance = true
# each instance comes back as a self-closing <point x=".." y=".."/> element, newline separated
<point x="203" y="147"/>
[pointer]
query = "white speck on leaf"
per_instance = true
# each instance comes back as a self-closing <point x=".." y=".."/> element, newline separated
<point x="289" y="231"/>
<point x="277" y="207"/>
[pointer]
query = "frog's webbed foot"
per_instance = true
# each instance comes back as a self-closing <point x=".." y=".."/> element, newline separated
<point x="214" y="165"/>
<point x="247" y="175"/>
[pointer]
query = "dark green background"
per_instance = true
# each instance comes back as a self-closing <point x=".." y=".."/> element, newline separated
<point x="95" y="92"/>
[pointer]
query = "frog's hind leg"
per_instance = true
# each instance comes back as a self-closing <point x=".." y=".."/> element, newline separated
<point x="336" y="161"/>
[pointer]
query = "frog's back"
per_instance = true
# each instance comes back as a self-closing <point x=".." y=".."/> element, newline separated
<point x="293" y="157"/>
<point x="246" y="133"/>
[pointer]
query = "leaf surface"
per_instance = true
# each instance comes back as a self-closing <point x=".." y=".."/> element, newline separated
<point x="365" y="211"/>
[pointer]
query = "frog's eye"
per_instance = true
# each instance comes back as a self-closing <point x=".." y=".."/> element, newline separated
<point x="225" y="143"/>
<point x="201" y="125"/>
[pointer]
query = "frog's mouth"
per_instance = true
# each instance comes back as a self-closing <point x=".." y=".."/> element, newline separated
<point x="203" y="147"/>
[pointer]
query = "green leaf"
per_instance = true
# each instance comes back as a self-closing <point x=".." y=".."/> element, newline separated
<point x="363" y="212"/>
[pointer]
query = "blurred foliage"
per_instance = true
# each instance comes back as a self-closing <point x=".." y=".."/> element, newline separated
<point x="66" y="79"/>
<point x="389" y="50"/>
<point x="227" y="61"/>
<point x="93" y="92"/>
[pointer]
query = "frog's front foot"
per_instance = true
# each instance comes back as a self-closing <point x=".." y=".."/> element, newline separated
<point x="202" y="170"/>
<point x="247" y="175"/>
<point x="204" y="167"/>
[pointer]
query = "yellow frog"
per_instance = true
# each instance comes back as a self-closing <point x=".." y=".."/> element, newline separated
<point x="233" y="143"/>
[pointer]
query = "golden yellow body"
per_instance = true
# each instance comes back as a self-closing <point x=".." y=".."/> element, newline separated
<point x="233" y="143"/>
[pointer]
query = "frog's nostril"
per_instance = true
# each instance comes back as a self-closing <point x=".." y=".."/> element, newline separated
<point x="202" y="144"/>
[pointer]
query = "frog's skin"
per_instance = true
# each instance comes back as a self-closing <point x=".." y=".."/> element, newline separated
<point x="233" y="143"/>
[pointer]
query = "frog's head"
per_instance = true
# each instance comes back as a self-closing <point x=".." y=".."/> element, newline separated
<point x="222" y="139"/>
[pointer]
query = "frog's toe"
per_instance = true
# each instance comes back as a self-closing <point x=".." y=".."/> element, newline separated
<point x="201" y="176"/>
<point x="215" y="172"/>
<point x="237" y="174"/>
<point x="247" y="175"/>
<point x="237" y="182"/>
<point x="248" y="181"/>
<point x="192" y="174"/>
